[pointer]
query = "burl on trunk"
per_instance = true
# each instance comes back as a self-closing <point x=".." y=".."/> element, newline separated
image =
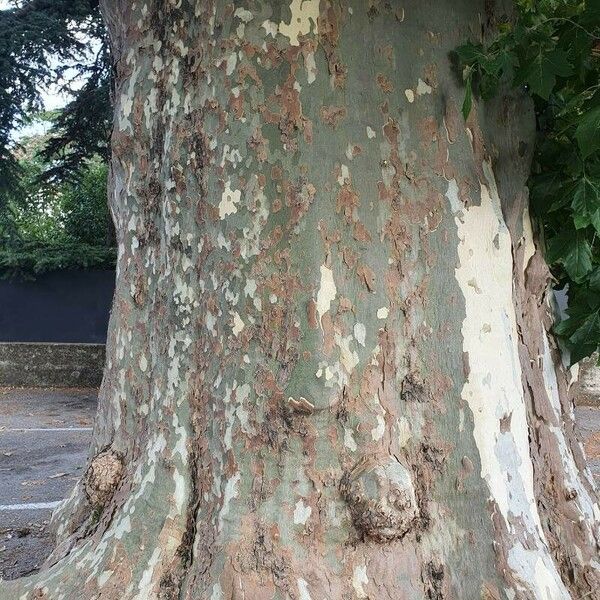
<point x="329" y="374"/>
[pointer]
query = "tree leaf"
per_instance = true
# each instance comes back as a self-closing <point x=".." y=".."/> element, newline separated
<point x="581" y="220"/>
<point x="588" y="132"/>
<point x="549" y="191"/>
<point x="579" y="352"/>
<point x="541" y="70"/>
<point x="588" y="330"/>
<point x="584" y="335"/>
<point x="595" y="220"/>
<point x="578" y="260"/>
<point x="581" y="330"/>
<point x="470" y="53"/>
<point x="586" y="197"/>
<point x="572" y="249"/>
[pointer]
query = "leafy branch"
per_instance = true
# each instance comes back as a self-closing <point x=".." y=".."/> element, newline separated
<point x="552" y="49"/>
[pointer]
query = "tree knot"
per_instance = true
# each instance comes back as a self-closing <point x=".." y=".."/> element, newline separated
<point x="103" y="476"/>
<point x="381" y="498"/>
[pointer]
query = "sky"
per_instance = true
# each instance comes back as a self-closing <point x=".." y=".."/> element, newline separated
<point x="51" y="97"/>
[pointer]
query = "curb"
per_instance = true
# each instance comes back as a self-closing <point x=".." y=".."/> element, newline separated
<point x="51" y="365"/>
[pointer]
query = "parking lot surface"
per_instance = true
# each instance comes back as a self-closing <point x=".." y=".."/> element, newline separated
<point x="44" y="439"/>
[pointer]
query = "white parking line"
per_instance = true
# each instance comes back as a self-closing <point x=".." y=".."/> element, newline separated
<point x="22" y="430"/>
<point x="31" y="506"/>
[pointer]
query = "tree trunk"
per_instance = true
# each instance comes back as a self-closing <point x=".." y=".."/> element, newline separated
<point x="329" y="374"/>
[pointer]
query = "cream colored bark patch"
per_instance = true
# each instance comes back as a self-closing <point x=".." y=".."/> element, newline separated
<point x="303" y="590"/>
<point x="529" y="244"/>
<point x="423" y="88"/>
<point x="383" y="312"/>
<point x="360" y="579"/>
<point x="311" y="67"/>
<point x="360" y="333"/>
<point x="301" y="513"/>
<point x="238" y="324"/>
<point x="230" y="493"/>
<point x="229" y="201"/>
<point x="493" y="389"/>
<point x="327" y="291"/>
<point x="304" y="18"/>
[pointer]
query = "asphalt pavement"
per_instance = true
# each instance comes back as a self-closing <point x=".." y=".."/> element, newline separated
<point x="44" y="440"/>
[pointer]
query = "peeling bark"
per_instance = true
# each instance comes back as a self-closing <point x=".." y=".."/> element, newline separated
<point x="329" y="373"/>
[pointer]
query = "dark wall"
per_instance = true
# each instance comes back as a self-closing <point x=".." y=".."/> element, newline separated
<point x="64" y="306"/>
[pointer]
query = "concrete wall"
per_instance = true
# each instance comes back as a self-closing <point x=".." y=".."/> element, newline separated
<point x="51" y="365"/>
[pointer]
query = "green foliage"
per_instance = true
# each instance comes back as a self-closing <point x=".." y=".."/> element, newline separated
<point x="25" y="259"/>
<point x="51" y="226"/>
<point x="552" y="48"/>
<point x="53" y="212"/>
<point x="54" y="42"/>
<point x="84" y="211"/>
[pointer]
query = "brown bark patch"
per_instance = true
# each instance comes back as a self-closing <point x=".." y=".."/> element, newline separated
<point x="384" y="83"/>
<point x="361" y="234"/>
<point x="329" y="33"/>
<point x="347" y="202"/>
<point x="333" y="115"/>
<point x="367" y="275"/>
<point x="311" y="314"/>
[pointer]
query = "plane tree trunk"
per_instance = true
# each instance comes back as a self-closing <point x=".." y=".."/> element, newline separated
<point x="329" y="370"/>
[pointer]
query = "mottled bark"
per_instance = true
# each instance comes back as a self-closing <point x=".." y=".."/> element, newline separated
<point x="329" y="371"/>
